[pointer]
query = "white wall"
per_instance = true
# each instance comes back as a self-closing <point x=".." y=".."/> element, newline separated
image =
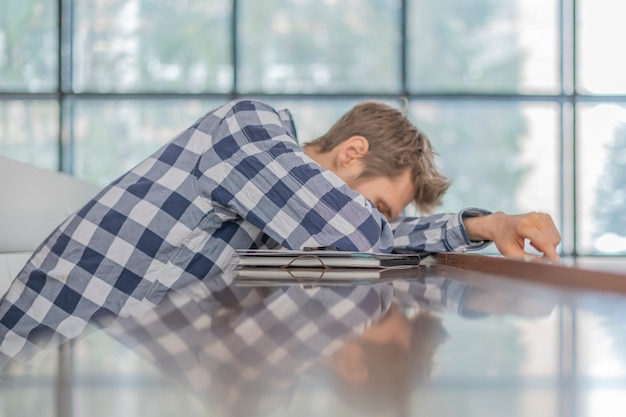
<point x="33" y="202"/>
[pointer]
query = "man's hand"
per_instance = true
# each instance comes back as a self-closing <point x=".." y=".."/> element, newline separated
<point x="509" y="232"/>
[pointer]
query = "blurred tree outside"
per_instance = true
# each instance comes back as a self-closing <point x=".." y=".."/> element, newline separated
<point x="111" y="137"/>
<point x="478" y="149"/>
<point x="460" y="46"/>
<point x="28" y="45"/>
<point x="311" y="46"/>
<point x="147" y="45"/>
<point x="29" y="132"/>
<point x="28" y="63"/>
<point x="610" y="220"/>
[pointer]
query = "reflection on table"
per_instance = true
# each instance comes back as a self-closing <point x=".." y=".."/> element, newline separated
<point x="447" y="341"/>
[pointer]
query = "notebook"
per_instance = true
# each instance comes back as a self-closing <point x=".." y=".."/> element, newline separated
<point x="263" y="276"/>
<point x="323" y="259"/>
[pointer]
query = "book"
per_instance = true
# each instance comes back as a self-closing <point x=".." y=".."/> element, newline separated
<point x="264" y="276"/>
<point x="324" y="258"/>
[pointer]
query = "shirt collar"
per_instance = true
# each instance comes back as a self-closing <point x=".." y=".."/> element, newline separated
<point x="287" y="120"/>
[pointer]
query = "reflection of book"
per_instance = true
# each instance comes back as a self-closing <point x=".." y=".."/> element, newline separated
<point x="324" y="259"/>
<point x="334" y="276"/>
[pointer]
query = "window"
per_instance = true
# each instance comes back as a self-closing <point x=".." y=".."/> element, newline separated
<point x="524" y="101"/>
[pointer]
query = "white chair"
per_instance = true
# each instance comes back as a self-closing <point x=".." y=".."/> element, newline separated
<point x="33" y="201"/>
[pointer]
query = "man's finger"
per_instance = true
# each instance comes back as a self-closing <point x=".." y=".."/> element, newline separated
<point x="544" y="244"/>
<point x="512" y="251"/>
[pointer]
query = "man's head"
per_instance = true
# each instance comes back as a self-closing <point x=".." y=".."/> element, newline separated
<point x="374" y="141"/>
<point x="379" y="370"/>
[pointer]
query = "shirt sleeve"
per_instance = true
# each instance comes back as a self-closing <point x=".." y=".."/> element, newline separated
<point x="256" y="169"/>
<point x="436" y="233"/>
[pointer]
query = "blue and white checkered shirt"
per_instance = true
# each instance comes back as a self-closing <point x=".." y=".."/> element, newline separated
<point x="237" y="178"/>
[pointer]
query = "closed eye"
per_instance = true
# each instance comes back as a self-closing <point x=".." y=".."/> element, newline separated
<point x="384" y="210"/>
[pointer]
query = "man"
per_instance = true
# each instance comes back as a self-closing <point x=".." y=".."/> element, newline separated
<point x="238" y="179"/>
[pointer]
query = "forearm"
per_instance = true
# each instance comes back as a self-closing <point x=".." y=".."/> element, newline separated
<point x="481" y="228"/>
<point x="437" y="233"/>
<point x="511" y="232"/>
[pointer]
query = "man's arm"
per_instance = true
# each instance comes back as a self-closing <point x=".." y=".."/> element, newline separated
<point x="509" y="233"/>
<point x="474" y="229"/>
<point x="437" y="233"/>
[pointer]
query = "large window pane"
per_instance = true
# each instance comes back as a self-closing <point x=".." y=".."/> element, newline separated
<point x="483" y="46"/>
<point x="314" y="46"/>
<point x="499" y="156"/>
<point x="29" y="132"/>
<point x="28" y="45"/>
<point x="601" y="62"/>
<point x="112" y="137"/>
<point x="602" y="178"/>
<point x="145" y="45"/>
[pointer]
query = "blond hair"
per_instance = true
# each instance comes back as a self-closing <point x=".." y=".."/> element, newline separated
<point x="395" y="145"/>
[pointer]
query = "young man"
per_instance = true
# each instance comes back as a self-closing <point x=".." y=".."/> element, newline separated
<point x="235" y="179"/>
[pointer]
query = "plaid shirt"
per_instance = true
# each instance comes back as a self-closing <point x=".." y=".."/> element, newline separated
<point x="242" y="353"/>
<point x="237" y="178"/>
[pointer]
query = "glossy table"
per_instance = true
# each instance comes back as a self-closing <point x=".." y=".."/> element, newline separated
<point x="466" y="335"/>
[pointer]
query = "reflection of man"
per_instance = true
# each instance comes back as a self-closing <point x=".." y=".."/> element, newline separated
<point x="245" y="349"/>
<point x="377" y="370"/>
<point x="241" y="351"/>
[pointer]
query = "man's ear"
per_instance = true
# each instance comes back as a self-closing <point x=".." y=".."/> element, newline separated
<point x="351" y="151"/>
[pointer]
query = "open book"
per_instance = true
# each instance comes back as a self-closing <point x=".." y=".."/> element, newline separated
<point x="323" y="259"/>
